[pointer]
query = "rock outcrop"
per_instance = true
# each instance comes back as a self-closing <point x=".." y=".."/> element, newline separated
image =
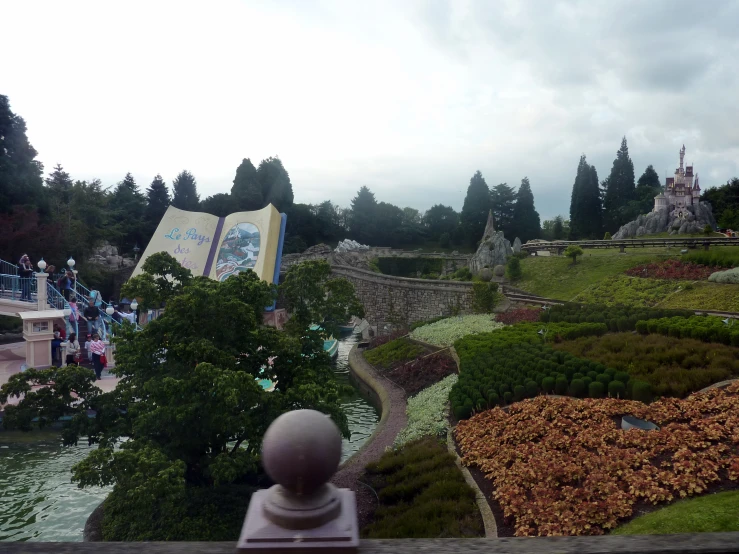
<point x="107" y="256"/>
<point x="517" y="245"/>
<point x="690" y="219"/>
<point x="493" y="250"/>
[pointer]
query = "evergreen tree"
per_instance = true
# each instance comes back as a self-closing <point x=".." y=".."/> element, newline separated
<point x="157" y="202"/>
<point x="526" y="222"/>
<point x="503" y="202"/>
<point x="558" y="228"/>
<point x="363" y="218"/>
<point x="246" y="191"/>
<point x="650" y="178"/>
<point x="619" y="189"/>
<point x="475" y="209"/>
<point x="185" y="192"/>
<point x="275" y="183"/>
<point x="129" y="210"/>
<point x="585" y="203"/>
<point x="647" y="188"/>
<point x="21" y="179"/>
<point x="59" y="185"/>
<point x="221" y="204"/>
<point x="441" y="219"/>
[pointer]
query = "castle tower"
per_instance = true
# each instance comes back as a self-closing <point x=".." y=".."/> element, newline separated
<point x="696" y="191"/>
<point x="682" y="157"/>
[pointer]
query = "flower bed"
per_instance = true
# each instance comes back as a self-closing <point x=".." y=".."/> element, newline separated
<point x="418" y="374"/>
<point x="520" y="315"/>
<point x="446" y="331"/>
<point x="671" y="366"/>
<point x="384" y="339"/>
<point x="427" y="412"/>
<point x="625" y="290"/>
<point x="560" y="466"/>
<point x="671" y="269"/>
<point x="421" y="494"/>
<point x="392" y="353"/>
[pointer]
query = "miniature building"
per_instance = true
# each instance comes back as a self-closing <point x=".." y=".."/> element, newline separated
<point x="681" y="191"/>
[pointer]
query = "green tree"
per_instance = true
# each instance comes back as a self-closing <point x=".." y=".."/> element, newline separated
<point x="20" y="173"/>
<point x="59" y="185"/>
<point x="314" y="297"/>
<point x="475" y="210"/>
<point x="163" y="279"/>
<point x="649" y="179"/>
<point x="619" y="189"/>
<point x="185" y="192"/>
<point x="221" y="204"/>
<point x="573" y="251"/>
<point x="363" y="216"/>
<point x="302" y="228"/>
<point x="247" y="189"/>
<point x="558" y="229"/>
<point x="128" y="210"/>
<point x="503" y="204"/>
<point x="157" y="202"/>
<point x="513" y="268"/>
<point x="526" y="224"/>
<point x="725" y="203"/>
<point x="440" y="219"/>
<point x="275" y="183"/>
<point x="585" y="204"/>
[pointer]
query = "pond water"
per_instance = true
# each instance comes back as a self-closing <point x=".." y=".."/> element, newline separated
<point x="38" y="502"/>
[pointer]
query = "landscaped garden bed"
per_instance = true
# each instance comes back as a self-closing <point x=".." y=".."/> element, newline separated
<point x="421" y="494"/>
<point x="446" y="331"/>
<point x="704" y="328"/>
<point x="617" y="317"/>
<point x="519" y="315"/>
<point x="630" y="291"/>
<point x="422" y="372"/>
<point x="394" y="353"/>
<point x="427" y="414"/>
<point x="672" y="366"/>
<point x="671" y="269"/>
<point x="561" y="466"/>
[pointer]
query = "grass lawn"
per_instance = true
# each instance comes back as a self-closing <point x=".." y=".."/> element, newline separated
<point x="707" y="514"/>
<point x="556" y="277"/>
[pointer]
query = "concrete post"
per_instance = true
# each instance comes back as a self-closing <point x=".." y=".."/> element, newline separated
<point x="621" y="248"/>
<point x="303" y="512"/>
<point x="41" y="291"/>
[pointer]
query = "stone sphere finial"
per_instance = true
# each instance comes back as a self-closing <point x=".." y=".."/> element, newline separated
<point x="301" y="451"/>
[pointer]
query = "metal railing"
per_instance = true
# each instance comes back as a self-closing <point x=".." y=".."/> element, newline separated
<point x="22" y="289"/>
<point x="8" y="268"/>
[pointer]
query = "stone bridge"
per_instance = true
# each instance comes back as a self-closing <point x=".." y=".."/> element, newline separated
<point x="390" y="301"/>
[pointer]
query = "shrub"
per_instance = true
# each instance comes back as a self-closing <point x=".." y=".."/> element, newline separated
<point x="410" y="267"/>
<point x="462" y="274"/>
<point x="532" y="389"/>
<point x="422" y="494"/>
<point x="445" y="240"/>
<point x="629" y="316"/>
<point x="384" y="339"/>
<point x="726" y="256"/>
<point x="607" y="236"/>
<point x="641" y="391"/>
<point x="707" y="230"/>
<point x="394" y="352"/>
<point x="671" y="269"/>
<point x="730" y="276"/>
<point x="446" y="331"/>
<point x="577" y="388"/>
<point x="596" y="389"/>
<point x="508" y="397"/>
<point x="484" y="297"/>
<point x="616" y="389"/>
<point x="561" y="385"/>
<point x="548" y="384"/>
<point x="513" y="268"/>
<point x="519" y="393"/>
<point x="418" y="374"/>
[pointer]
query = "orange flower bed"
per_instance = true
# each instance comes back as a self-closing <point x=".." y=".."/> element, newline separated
<point x="562" y="466"/>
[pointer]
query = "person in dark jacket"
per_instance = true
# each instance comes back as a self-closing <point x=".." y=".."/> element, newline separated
<point x="25" y="272"/>
<point x="91" y="314"/>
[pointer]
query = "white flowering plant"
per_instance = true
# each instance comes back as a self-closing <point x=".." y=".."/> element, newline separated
<point x="427" y="412"/>
<point x="446" y="331"/>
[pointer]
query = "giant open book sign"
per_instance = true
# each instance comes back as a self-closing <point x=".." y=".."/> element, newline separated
<point x="219" y="247"/>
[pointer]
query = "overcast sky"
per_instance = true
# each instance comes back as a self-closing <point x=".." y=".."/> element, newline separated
<point x="407" y="97"/>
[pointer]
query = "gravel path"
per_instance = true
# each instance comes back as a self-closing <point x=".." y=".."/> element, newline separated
<point x="392" y="421"/>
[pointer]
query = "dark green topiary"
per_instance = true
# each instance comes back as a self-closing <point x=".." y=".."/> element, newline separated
<point x="641" y="392"/>
<point x="596" y="389"/>
<point x="593" y="375"/>
<point x="519" y="393"/>
<point x="603" y="378"/>
<point x="493" y="399"/>
<point x="622" y="376"/>
<point x="616" y="389"/>
<point x="587" y="381"/>
<point x="548" y="384"/>
<point x="561" y="385"/>
<point x="532" y="389"/>
<point x="508" y="397"/>
<point x="577" y="388"/>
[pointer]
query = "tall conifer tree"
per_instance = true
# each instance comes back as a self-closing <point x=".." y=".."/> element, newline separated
<point x="503" y="202"/>
<point x="275" y="182"/>
<point x="585" y="204"/>
<point x="526" y="222"/>
<point x="157" y="201"/>
<point x="619" y="189"/>
<point x="246" y="191"/>
<point x="185" y="192"/>
<point x="475" y="209"/>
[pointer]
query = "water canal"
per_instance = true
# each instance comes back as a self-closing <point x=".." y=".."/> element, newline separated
<point x="39" y="503"/>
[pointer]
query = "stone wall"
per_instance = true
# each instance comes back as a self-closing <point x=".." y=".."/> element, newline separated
<point x="390" y="301"/>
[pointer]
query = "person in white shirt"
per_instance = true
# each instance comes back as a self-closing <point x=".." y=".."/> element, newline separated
<point x="73" y="350"/>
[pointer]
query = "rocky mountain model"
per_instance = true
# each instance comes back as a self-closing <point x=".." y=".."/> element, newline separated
<point x="681" y="220"/>
<point x="493" y="250"/>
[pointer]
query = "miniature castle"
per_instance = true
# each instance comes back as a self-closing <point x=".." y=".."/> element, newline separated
<point x="681" y="190"/>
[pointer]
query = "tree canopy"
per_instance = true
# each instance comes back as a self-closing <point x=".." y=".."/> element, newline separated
<point x="503" y="203"/>
<point x="185" y="192"/>
<point x="526" y="223"/>
<point x="619" y="190"/>
<point x="475" y="210"/>
<point x="586" y="217"/>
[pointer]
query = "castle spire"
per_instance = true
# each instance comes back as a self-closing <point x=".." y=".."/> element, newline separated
<point x="490" y="226"/>
<point x="682" y="156"/>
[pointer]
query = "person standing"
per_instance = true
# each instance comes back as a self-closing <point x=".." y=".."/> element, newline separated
<point x="74" y="316"/>
<point x="70" y="286"/>
<point x="25" y="272"/>
<point x="97" y="347"/>
<point x="91" y="314"/>
<point x="73" y="350"/>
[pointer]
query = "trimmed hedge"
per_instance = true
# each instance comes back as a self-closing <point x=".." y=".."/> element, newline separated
<point x="393" y="353"/>
<point x="409" y="267"/>
<point x="703" y="328"/>
<point x="616" y="318"/>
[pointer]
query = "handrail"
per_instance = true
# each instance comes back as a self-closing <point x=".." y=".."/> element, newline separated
<point x="8" y="268"/>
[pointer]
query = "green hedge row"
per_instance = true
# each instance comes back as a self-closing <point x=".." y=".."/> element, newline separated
<point x="617" y="318"/>
<point x="704" y="328"/>
<point x="505" y="373"/>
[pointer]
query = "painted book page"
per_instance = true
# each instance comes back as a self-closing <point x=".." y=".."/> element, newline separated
<point x="188" y="236"/>
<point x="248" y="241"/>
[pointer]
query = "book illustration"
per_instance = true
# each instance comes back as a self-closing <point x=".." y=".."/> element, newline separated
<point x="239" y="251"/>
<point x="180" y="220"/>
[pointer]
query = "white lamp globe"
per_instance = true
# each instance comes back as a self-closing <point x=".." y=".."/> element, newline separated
<point x="71" y="262"/>
<point x="109" y="310"/>
<point x="134" y="305"/>
<point x="42" y="265"/>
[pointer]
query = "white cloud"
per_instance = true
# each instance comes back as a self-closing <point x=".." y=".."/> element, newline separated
<point x="409" y="98"/>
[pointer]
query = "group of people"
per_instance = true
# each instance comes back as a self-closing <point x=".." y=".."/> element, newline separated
<point x="94" y="347"/>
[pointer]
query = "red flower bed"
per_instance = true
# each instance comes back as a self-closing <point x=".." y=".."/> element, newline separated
<point x="671" y="269"/>
<point x="384" y="339"/>
<point x="517" y="316"/>
<point x="423" y="372"/>
<point x="562" y="466"/>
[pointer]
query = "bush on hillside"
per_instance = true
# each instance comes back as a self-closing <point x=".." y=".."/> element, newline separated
<point x="484" y="297"/>
<point x="446" y="331"/>
<point x="513" y="268"/>
<point x="629" y="291"/>
<point x="730" y="276"/>
<point x="617" y="318"/>
<point x="393" y="353"/>
<point x="519" y="315"/>
<point x="421" y="494"/>
<point x="426" y="412"/>
<point x="422" y="372"/>
<point x="703" y="328"/>
<point x="727" y="256"/>
<point x="671" y="269"/>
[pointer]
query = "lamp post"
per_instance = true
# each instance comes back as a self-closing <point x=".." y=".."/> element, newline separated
<point x="136" y="250"/>
<point x="135" y="308"/>
<point x="70" y="264"/>
<point x="41" y="265"/>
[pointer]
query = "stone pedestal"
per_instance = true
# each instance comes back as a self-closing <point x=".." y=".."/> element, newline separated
<point x="38" y="332"/>
<point x="41" y="297"/>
